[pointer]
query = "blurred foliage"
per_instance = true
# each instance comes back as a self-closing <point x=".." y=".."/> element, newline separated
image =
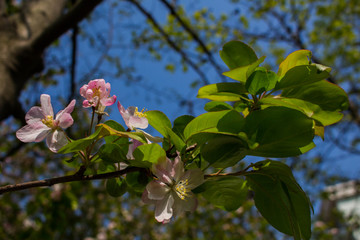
<point x="84" y="211"/>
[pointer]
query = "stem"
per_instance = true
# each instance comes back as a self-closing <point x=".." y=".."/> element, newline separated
<point x="92" y="120"/>
<point x="78" y="176"/>
<point x="239" y="173"/>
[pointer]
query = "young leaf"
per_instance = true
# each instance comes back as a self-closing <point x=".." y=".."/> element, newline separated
<point x="241" y="74"/>
<point x="227" y="193"/>
<point x="116" y="187"/>
<point x="222" y="91"/>
<point x="297" y="58"/>
<point x="147" y="154"/>
<point x="215" y="106"/>
<point x="301" y="75"/>
<point x="159" y="121"/>
<point x="180" y="124"/>
<point x="214" y="122"/>
<point x="260" y="81"/>
<point x="237" y="54"/>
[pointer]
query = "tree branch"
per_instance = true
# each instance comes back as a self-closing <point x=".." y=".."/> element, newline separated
<point x="80" y="10"/>
<point x="196" y="38"/>
<point x="171" y="43"/>
<point x="78" y="176"/>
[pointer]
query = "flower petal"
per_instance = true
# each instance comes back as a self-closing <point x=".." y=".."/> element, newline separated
<point x="195" y="178"/>
<point x="145" y="198"/>
<point x="157" y="190"/>
<point x="138" y="122"/>
<point x="86" y="104"/>
<point x="162" y="170"/>
<point x="108" y="101"/>
<point x="150" y="138"/>
<point x="124" y="113"/>
<point x="83" y="90"/>
<point x="133" y="145"/>
<point x="33" y="132"/>
<point x="178" y="169"/>
<point x="35" y="114"/>
<point x="65" y="120"/>
<point x="46" y="105"/>
<point x="68" y="110"/>
<point x="56" y="140"/>
<point x="189" y="204"/>
<point x="163" y="209"/>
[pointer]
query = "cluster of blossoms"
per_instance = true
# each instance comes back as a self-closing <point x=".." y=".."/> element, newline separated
<point x="170" y="190"/>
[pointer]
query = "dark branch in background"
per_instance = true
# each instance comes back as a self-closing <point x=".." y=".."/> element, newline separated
<point x="171" y="43"/>
<point x="75" y="32"/>
<point x="80" y="10"/>
<point x="196" y="38"/>
<point x="78" y="176"/>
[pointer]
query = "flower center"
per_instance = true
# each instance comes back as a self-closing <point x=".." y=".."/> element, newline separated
<point x="140" y="114"/>
<point x="96" y="92"/>
<point x="49" y="121"/>
<point x="181" y="188"/>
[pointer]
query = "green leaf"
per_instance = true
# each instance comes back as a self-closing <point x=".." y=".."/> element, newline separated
<point x="147" y="154"/>
<point x="329" y="97"/>
<point x="223" y="151"/>
<point x="222" y="91"/>
<point x="118" y="127"/>
<point x="137" y="181"/>
<point x="242" y="73"/>
<point x="81" y="144"/>
<point x="227" y="193"/>
<point x="228" y="121"/>
<point x="112" y="152"/>
<point x="280" y="199"/>
<point x="261" y="81"/>
<point x="159" y="121"/>
<point x="297" y="58"/>
<point x="180" y="123"/>
<point x="314" y="111"/>
<point x="300" y="76"/>
<point x="237" y="54"/>
<point x="116" y="187"/>
<point x="215" y="106"/>
<point x="279" y="132"/>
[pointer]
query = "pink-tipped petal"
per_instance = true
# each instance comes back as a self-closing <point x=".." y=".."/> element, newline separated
<point x="108" y="101"/>
<point x="83" y="90"/>
<point x="35" y="114"/>
<point x="65" y="120"/>
<point x="157" y="190"/>
<point x="68" y="109"/>
<point x="89" y="93"/>
<point x="86" y="104"/>
<point x="46" y="106"/>
<point x="163" y="209"/>
<point x="56" y="140"/>
<point x="33" y="133"/>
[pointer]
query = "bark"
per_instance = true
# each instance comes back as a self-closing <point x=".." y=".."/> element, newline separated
<point x="23" y="38"/>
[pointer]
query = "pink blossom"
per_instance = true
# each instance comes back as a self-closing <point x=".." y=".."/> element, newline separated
<point x="133" y="118"/>
<point x="97" y="94"/>
<point x="171" y="190"/>
<point x="40" y="124"/>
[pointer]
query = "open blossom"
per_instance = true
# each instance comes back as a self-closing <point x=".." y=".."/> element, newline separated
<point x="97" y="94"/>
<point x="133" y="118"/>
<point x="171" y="190"/>
<point x="41" y="123"/>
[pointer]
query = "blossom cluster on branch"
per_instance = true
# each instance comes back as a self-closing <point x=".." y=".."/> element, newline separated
<point x="261" y="113"/>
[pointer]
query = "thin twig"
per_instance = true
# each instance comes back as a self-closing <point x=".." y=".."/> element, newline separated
<point x="171" y="43"/>
<point x="78" y="176"/>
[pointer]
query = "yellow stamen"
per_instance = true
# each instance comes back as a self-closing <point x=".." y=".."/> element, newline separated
<point x="48" y="121"/>
<point x="182" y="190"/>
<point x="140" y="114"/>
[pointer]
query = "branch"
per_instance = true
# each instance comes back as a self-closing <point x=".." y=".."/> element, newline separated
<point x="195" y="37"/>
<point x="78" y="176"/>
<point x="81" y="10"/>
<point x="170" y="42"/>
